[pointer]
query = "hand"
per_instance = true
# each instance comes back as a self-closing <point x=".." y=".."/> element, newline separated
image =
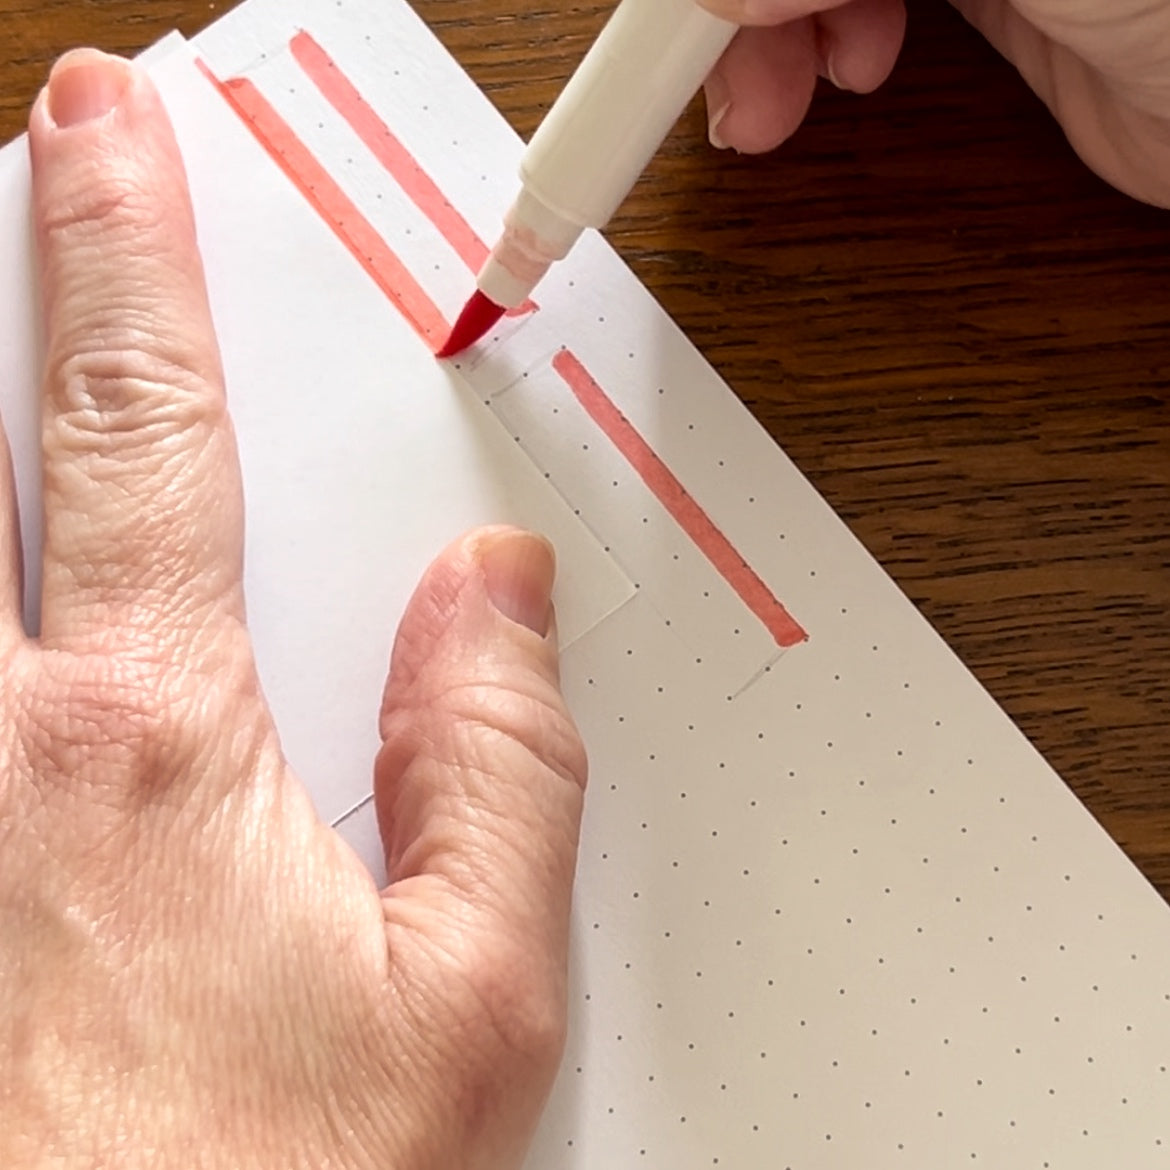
<point x="761" y="89"/>
<point x="1101" y="66"/>
<point x="194" y="971"/>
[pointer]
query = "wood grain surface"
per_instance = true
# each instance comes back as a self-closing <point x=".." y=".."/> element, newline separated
<point x="959" y="334"/>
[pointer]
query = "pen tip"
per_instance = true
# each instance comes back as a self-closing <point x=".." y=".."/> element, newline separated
<point x="478" y="316"/>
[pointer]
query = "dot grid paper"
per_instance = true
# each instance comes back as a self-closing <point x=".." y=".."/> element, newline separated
<point x="833" y="910"/>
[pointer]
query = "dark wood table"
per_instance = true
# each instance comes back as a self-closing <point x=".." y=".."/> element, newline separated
<point x="959" y="334"/>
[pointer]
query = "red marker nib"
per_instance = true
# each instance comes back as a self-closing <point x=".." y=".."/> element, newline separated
<point x="478" y="316"/>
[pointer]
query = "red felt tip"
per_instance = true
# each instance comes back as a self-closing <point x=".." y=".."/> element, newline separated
<point x="478" y="316"/>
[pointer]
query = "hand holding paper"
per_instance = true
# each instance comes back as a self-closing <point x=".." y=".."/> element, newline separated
<point x="832" y="908"/>
<point x="189" y="958"/>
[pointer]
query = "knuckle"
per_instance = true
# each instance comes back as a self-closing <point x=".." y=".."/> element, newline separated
<point x="121" y="728"/>
<point x="132" y="390"/>
<point x="109" y="204"/>
<point x="92" y="722"/>
<point x="486" y="721"/>
<point x="539" y="724"/>
<point x="129" y="358"/>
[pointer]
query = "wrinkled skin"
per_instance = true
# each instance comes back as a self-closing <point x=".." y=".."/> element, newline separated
<point x="194" y="971"/>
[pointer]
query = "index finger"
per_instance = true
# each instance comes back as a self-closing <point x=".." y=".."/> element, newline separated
<point x="142" y="500"/>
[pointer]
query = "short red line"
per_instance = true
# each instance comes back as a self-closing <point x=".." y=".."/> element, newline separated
<point x="335" y="207"/>
<point x="679" y="502"/>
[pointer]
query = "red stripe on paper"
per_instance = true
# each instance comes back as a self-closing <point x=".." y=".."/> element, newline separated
<point x="388" y="149"/>
<point x="679" y="502"/>
<point x="352" y="228"/>
<point x="335" y="207"/>
<point x="422" y="191"/>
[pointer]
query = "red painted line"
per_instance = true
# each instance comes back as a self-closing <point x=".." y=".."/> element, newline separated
<point x="281" y="143"/>
<point x="335" y="207"/>
<point x="387" y="148"/>
<point x="679" y="502"/>
<point x="343" y="96"/>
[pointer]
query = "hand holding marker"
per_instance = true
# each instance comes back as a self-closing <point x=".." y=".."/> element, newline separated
<point x="597" y="139"/>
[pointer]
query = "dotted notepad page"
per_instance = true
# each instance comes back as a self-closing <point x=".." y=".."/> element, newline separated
<point x="833" y="910"/>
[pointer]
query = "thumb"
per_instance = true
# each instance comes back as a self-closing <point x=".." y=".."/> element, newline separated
<point x="480" y="779"/>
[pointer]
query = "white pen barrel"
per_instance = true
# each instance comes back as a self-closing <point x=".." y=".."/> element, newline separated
<point x="620" y="104"/>
<point x="605" y="127"/>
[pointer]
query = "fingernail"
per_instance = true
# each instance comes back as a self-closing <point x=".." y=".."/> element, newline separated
<point x="713" y="121"/>
<point x="831" y="73"/>
<point x="518" y="570"/>
<point x="718" y="98"/>
<point x="84" y="85"/>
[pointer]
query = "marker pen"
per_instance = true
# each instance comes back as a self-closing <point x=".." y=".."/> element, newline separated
<point x="607" y="124"/>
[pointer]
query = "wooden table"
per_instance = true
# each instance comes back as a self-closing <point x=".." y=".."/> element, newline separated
<point x="959" y="334"/>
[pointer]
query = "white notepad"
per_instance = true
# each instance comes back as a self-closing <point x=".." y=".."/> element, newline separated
<point x="833" y="910"/>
